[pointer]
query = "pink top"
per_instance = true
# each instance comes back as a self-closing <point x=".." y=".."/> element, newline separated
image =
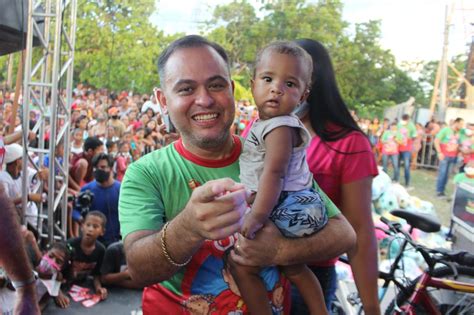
<point x="340" y="162"/>
<point x="121" y="167"/>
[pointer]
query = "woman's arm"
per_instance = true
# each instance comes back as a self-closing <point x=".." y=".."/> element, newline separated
<point x="356" y="199"/>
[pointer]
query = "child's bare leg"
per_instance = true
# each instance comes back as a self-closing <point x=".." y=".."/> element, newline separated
<point x="308" y="285"/>
<point x="251" y="287"/>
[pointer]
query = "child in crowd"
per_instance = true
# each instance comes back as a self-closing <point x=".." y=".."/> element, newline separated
<point x="467" y="176"/>
<point x="112" y="148"/>
<point x="77" y="141"/>
<point x="122" y="160"/>
<point x="273" y="166"/>
<point x="390" y="140"/>
<point x="89" y="252"/>
<point x="53" y="266"/>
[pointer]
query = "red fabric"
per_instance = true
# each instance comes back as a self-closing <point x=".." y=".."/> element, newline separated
<point x="89" y="174"/>
<point x="210" y="163"/>
<point x="406" y="147"/>
<point x="340" y="162"/>
<point x="121" y="167"/>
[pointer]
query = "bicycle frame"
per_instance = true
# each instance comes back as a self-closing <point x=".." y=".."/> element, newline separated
<point x="421" y="296"/>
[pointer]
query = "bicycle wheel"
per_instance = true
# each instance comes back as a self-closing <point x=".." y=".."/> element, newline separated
<point x="447" y="301"/>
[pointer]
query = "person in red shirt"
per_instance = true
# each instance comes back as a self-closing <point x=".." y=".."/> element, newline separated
<point x="343" y="165"/>
<point x="80" y="172"/>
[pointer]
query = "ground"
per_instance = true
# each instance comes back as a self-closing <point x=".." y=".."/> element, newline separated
<point x="424" y="183"/>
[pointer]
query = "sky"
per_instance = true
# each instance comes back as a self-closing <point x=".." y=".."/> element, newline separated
<point x="411" y="29"/>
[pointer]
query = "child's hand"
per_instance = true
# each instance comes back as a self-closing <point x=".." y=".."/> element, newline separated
<point x="102" y="292"/>
<point x="251" y="225"/>
<point x="62" y="300"/>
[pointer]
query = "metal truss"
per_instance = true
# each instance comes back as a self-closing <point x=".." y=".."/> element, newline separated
<point x="47" y="87"/>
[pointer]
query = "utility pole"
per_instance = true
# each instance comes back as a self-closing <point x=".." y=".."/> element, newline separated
<point x="443" y="91"/>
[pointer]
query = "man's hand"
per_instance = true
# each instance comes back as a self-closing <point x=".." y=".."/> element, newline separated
<point x="35" y="197"/>
<point x="440" y="156"/>
<point x="262" y="250"/>
<point x="215" y="210"/>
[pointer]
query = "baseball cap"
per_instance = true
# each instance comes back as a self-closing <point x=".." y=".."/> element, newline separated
<point x="13" y="152"/>
<point x="113" y="111"/>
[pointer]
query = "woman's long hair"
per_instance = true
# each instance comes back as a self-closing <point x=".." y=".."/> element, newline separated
<point x="326" y="106"/>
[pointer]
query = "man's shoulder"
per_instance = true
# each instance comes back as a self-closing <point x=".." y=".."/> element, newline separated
<point x="5" y="177"/>
<point x="156" y="157"/>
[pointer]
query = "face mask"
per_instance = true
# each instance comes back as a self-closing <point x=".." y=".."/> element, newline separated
<point x="101" y="175"/>
<point x="301" y="110"/>
<point x="114" y="117"/>
<point x="48" y="265"/>
<point x="469" y="171"/>
<point x="113" y="154"/>
<point x="404" y="122"/>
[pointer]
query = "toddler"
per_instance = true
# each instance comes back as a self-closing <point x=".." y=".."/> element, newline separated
<point x="273" y="166"/>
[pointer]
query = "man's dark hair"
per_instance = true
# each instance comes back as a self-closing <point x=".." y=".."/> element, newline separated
<point x="92" y="143"/>
<point x="405" y="117"/>
<point x="459" y="119"/>
<point x="102" y="156"/>
<point x="187" y="42"/>
<point x="98" y="214"/>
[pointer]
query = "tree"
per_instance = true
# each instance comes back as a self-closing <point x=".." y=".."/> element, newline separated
<point x="116" y="45"/>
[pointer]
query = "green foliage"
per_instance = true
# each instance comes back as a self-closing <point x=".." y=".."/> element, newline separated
<point x="428" y="73"/>
<point x="240" y="91"/>
<point x="116" y="45"/>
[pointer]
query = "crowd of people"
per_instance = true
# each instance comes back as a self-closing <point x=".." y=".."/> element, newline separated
<point x="175" y="209"/>
<point x="108" y="132"/>
<point x="436" y="145"/>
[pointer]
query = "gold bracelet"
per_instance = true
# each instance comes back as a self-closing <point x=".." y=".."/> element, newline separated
<point x="165" y="250"/>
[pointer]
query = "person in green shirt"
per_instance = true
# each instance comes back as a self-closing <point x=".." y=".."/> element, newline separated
<point x="447" y="144"/>
<point x="181" y="207"/>
<point x="407" y="131"/>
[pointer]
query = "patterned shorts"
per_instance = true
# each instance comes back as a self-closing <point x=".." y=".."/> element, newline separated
<point x="299" y="213"/>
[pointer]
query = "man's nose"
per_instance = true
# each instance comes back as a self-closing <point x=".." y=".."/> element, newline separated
<point x="203" y="97"/>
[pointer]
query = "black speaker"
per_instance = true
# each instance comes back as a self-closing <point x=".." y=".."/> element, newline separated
<point x="14" y="24"/>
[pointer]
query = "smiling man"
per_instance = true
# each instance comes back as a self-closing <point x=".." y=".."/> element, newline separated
<point x="181" y="206"/>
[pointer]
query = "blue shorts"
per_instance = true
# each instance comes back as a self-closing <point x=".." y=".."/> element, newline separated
<point x="299" y="213"/>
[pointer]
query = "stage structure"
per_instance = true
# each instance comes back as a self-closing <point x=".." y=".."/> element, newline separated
<point x="47" y="87"/>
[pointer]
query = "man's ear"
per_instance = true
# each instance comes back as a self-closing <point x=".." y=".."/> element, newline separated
<point x="160" y="95"/>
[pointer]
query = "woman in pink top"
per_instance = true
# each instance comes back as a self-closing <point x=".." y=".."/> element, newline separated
<point x="343" y="165"/>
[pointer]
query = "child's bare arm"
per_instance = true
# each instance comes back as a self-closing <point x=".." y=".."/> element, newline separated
<point x="99" y="289"/>
<point x="278" y="146"/>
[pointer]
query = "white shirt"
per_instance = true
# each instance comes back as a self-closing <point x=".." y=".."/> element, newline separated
<point x="12" y="187"/>
<point x="155" y="107"/>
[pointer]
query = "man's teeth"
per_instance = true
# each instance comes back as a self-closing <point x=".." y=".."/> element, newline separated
<point x="205" y="117"/>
